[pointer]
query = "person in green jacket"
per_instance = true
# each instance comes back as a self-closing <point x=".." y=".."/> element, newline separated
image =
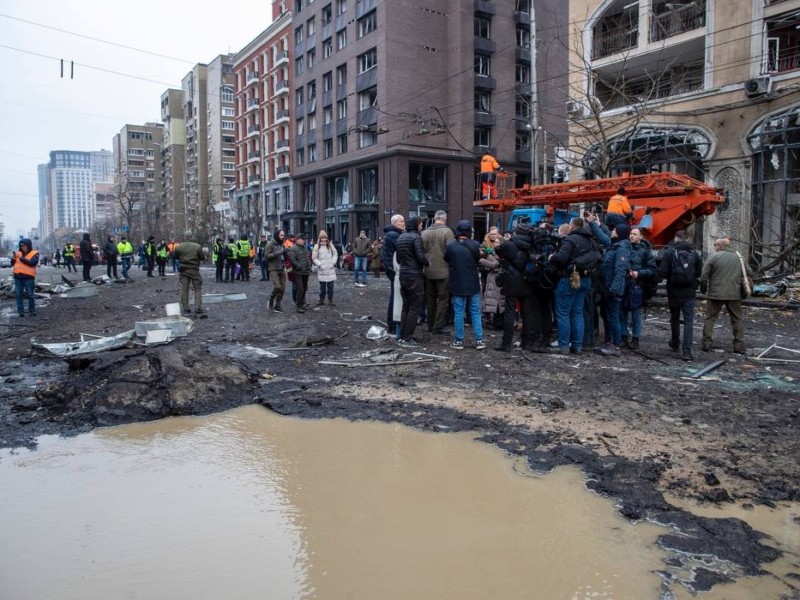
<point x="231" y="259"/>
<point x="161" y="257"/>
<point x="721" y="282"/>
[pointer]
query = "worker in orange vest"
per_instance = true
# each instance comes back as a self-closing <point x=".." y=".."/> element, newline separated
<point x="23" y="264"/>
<point x="619" y="210"/>
<point x="489" y="168"/>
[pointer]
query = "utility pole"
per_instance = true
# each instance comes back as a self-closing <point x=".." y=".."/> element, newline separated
<point x="534" y="104"/>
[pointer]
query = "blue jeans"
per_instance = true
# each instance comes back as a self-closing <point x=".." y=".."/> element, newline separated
<point x="126" y="265"/>
<point x="474" y="304"/>
<point x="569" y="312"/>
<point x="361" y="265"/>
<point x="612" y="304"/>
<point x="26" y="284"/>
<point x="636" y="318"/>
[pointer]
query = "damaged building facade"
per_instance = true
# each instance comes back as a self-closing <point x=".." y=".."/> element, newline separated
<point x="703" y="88"/>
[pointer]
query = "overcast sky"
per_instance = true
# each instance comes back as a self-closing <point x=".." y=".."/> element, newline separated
<point x="40" y="111"/>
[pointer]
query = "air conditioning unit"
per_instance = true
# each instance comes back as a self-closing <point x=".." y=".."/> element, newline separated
<point x="575" y="109"/>
<point x="760" y="86"/>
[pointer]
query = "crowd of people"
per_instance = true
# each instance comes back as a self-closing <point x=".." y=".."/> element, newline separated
<point x="551" y="288"/>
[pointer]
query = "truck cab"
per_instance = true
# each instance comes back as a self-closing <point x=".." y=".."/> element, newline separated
<point x="537" y="214"/>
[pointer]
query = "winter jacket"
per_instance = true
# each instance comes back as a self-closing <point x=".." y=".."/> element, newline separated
<point x="190" y="255"/>
<point x="679" y="292"/>
<point x="614" y="268"/>
<point x="87" y="252"/>
<point x="375" y="257"/>
<point x="511" y="277"/>
<point x="461" y="257"/>
<point x="494" y="302"/>
<point x="390" y="235"/>
<point x="325" y="259"/>
<point x="721" y="278"/>
<point x="435" y="240"/>
<point x="643" y="261"/>
<point x="298" y="255"/>
<point x="361" y="246"/>
<point x="411" y="254"/>
<point x="111" y="252"/>
<point x="575" y="244"/>
<point x="274" y="253"/>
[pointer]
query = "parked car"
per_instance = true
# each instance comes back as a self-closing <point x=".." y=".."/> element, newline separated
<point x="5" y="261"/>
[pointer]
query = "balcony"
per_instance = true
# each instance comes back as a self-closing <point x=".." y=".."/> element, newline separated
<point x="485" y="45"/>
<point x="484" y="8"/>
<point x="614" y="40"/>
<point x="281" y="116"/>
<point x="253" y="130"/>
<point x="522" y="18"/>
<point x="368" y="116"/>
<point x="281" y="87"/>
<point x="484" y="82"/>
<point x="251" y="78"/>
<point x="678" y="20"/>
<point x="252" y="104"/>
<point x="254" y="180"/>
<point x="523" y="55"/>
<point x="281" y="57"/>
<point x="255" y="155"/>
<point x="282" y="172"/>
<point x="484" y="119"/>
<point x="282" y="146"/>
<point x="367" y="80"/>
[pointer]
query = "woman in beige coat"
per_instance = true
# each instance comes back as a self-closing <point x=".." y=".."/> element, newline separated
<point x="324" y="257"/>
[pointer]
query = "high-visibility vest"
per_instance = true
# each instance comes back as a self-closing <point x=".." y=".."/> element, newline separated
<point x="489" y="164"/>
<point x="69" y="251"/>
<point x="215" y="250"/>
<point x="125" y="249"/>
<point x="161" y="251"/>
<point x="20" y="268"/>
<point x="619" y="205"/>
<point x="234" y="251"/>
<point x="244" y="248"/>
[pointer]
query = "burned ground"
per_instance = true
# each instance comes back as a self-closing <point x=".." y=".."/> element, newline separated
<point x="639" y="426"/>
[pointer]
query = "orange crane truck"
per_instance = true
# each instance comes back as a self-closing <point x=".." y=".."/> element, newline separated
<point x="662" y="203"/>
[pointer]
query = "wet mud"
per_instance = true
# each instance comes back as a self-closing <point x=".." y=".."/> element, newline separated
<point x="637" y="426"/>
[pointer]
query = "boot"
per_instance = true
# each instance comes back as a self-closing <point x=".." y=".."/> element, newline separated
<point x="634" y="344"/>
<point x="330" y="302"/>
<point x="321" y="302"/>
<point x="271" y="302"/>
<point x="625" y="343"/>
<point x="277" y="308"/>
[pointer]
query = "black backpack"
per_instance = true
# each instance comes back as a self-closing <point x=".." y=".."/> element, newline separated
<point x="587" y="262"/>
<point x="682" y="269"/>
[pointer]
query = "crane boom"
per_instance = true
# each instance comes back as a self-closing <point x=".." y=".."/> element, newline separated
<point x="663" y="202"/>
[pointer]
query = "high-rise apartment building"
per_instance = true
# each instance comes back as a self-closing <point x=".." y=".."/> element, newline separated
<point x="137" y="154"/>
<point x="706" y="88"/>
<point x="394" y="103"/>
<point x="173" y="163"/>
<point x="210" y="152"/>
<point x="262" y="71"/>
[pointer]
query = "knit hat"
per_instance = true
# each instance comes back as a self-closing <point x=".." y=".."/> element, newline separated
<point x="623" y="231"/>
<point x="464" y="228"/>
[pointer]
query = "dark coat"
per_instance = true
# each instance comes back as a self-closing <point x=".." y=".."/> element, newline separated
<point x="573" y="245"/>
<point x="110" y="250"/>
<point x="643" y="261"/>
<point x="411" y="254"/>
<point x="87" y="252"/>
<point x="514" y="285"/>
<point x="679" y="292"/>
<point x="301" y="263"/>
<point x="390" y="235"/>
<point x="615" y="266"/>
<point x="462" y="256"/>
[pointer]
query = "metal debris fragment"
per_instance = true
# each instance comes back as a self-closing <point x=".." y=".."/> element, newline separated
<point x="180" y="326"/>
<point x="708" y="368"/>
<point x="217" y="298"/>
<point x="89" y="343"/>
<point x="763" y="356"/>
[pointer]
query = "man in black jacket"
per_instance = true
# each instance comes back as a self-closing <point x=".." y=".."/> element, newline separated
<point x="87" y="256"/>
<point x="390" y="235"/>
<point x="681" y="267"/>
<point x="464" y="283"/>
<point x="513" y="255"/>
<point x="112" y="254"/>
<point x="573" y="286"/>
<point x="412" y="261"/>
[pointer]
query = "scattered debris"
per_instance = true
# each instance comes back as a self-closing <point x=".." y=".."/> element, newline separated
<point x="708" y="368"/>
<point x="180" y="326"/>
<point x="261" y="352"/>
<point x="385" y="357"/>
<point x="158" y="336"/>
<point x="763" y="356"/>
<point x="217" y="298"/>
<point x="88" y="344"/>
<point x="351" y="319"/>
<point x="82" y="290"/>
<point x="377" y="333"/>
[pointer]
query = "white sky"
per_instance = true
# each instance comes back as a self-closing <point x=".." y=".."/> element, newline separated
<point x="40" y="111"/>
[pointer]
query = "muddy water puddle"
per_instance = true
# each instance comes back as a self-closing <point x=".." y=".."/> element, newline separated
<point x="248" y="504"/>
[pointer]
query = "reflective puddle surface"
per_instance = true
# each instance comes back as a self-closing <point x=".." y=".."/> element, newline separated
<point x="247" y="504"/>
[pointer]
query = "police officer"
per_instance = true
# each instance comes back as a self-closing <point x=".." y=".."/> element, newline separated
<point x="243" y="250"/>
